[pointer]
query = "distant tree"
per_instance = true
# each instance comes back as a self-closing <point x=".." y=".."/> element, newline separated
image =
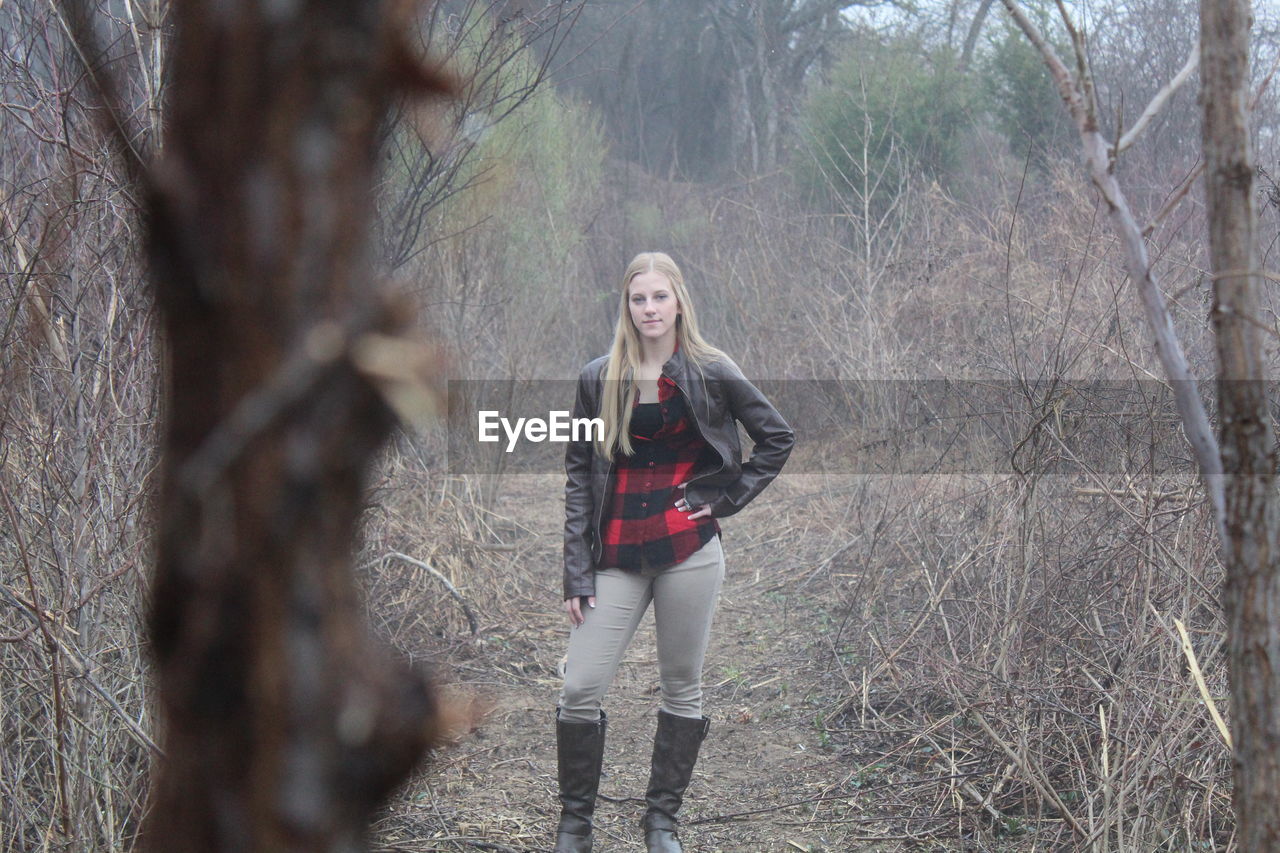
<point x="1134" y="49"/>
<point x="893" y="109"/>
<point x="502" y="50"/>
<point x="699" y="89"/>
<point x="1018" y="92"/>
<point x="973" y="32"/>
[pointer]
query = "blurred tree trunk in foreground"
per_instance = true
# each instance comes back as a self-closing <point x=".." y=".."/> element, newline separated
<point x="1252" y="594"/>
<point x="283" y="726"/>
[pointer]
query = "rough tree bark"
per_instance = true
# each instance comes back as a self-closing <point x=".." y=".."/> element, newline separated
<point x="283" y="725"/>
<point x="1252" y="594"/>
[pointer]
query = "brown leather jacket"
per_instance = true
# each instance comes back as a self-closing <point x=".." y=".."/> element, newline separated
<point x="719" y="396"/>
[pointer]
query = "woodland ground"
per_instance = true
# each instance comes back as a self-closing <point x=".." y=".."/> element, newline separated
<point x="791" y="763"/>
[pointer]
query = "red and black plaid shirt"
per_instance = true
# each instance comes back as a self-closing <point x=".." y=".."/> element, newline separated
<point x="643" y="528"/>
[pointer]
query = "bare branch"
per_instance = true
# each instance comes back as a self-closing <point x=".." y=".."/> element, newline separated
<point x="1097" y="155"/>
<point x="1032" y="773"/>
<point x="1175" y="198"/>
<point x="1161" y="98"/>
<point x="81" y="666"/>
<point x="26" y="271"/>
<point x="1067" y="90"/>
<point x="75" y="19"/>
<point x="453" y="590"/>
<point x="1082" y="68"/>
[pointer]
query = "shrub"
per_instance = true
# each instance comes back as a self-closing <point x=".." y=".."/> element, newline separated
<point x="892" y="108"/>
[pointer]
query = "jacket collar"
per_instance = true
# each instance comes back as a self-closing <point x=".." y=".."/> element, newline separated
<point x="677" y="365"/>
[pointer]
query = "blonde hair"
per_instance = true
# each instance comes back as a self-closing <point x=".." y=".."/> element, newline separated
<point x="624" y="356"/>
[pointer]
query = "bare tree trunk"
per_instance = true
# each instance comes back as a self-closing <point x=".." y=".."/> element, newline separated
<point x="1252" y="595"/>
<point x="971" y="37"/>
<point x="284" y="727"/>
<point x="767" y="114"/>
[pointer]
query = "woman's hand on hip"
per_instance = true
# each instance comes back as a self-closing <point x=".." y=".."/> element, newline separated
<point x="574" y="607"/>
<point x="682" y="504"/>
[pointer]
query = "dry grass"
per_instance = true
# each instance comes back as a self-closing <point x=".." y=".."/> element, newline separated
<point x="1016" y="639"/>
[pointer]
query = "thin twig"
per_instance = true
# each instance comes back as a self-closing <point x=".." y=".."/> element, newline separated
<point x="466" y="608"/>
<point x="1175" y="198"/>
<point x="1078" y="96"/>
<point x="1033" y="777"/>
<point x="55" y="675"/>
<point x="80" y="668"/>
<point x="1161" y="98"/>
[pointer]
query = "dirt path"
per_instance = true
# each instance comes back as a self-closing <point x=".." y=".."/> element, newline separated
<point x="766" y="693"/>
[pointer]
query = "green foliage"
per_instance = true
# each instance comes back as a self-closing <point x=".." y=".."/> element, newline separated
<point x="504" y="271"/>
<point x="869" y="775"/>
<point x="654" y="224"/>
<point x="521" y="227"/>
<point x="530" y="171"/>
<point x="1010" y="827"/>
<point x="1022" y="98"/>
<point x="824" y="737"/>
<point x="893" y="108"/>
<point x="539" y="168"/>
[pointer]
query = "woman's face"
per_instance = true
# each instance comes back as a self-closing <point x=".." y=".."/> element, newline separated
<point x="653" y="305"/>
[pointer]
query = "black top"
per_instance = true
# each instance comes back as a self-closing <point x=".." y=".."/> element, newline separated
<point x="646" y="419"/>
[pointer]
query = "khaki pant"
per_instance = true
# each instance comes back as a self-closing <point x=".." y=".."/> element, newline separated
<point x="684" y="599"/>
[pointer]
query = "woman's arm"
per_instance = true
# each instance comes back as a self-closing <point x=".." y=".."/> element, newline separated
<point x="579" y="500"/>
<point x="773" y="439"/>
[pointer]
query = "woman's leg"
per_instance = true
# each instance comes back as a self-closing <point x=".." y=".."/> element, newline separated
<point x="684" y="601"/>
<point x="595" y="650"/>
<point x="597" y="645"/>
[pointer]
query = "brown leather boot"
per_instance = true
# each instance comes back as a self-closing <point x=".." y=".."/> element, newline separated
<point x="579" y="757"/>
<point x="675" y="751"/>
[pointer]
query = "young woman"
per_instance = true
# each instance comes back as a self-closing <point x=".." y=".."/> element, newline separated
<point x="640" y="526"/>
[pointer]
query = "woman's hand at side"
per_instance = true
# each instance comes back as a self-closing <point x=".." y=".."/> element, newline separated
<point x="574" y="607"/>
